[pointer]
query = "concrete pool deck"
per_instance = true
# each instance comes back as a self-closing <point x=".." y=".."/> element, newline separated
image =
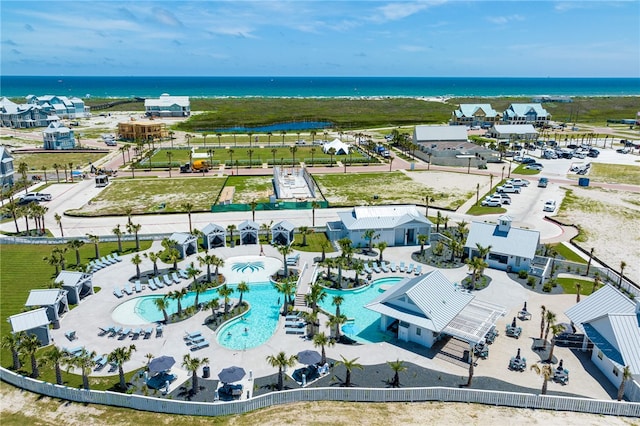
<point x="95" y="311"/>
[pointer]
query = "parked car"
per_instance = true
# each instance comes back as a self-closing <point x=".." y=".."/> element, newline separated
<point x="543" y="182"/>
<point x="528" y="160"/>
<point x="550" y="154"/>
<point x="534" y="166"/>
<point x="579" y="154"/>
<point x="509" y="188"/>
<point x="518" y="182"/>
<point x="623" y="150"/>
<point x="501" y="198"/>
<point x="492" y="202"/>
<point x="549" y="206"/>
<point x="27" y="200"/>
<point x="593" y="153"/>
<point x="38" y="196"/>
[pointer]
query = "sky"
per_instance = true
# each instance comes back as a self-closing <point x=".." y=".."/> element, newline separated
<point x="435" y="38"/>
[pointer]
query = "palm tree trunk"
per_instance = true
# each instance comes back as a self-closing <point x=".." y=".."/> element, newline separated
<point x="34" y="367"/>
<point x="58" y="374"/>
<point x="85" y="380"/>
<point x="123" y="385"/>
<point x="544" y="386"/>
<point x="194" y="382"/>
<point x="16" y="360"/>
<point x="280" y="379"/>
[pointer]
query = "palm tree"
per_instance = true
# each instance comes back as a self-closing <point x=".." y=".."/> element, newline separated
<point x="214" y="305"/>
<point x="335" y="322"/>
<point x="471" y="368"/>
<point x="293" y="150"/>
<point x="626" y="375"/>
<point x="422" y="239"/>
<point x="546" y="372"/>
<point x="218" y="262"/>
<point x="75" y="245"/>
<point x="281" y="361"/>
<point x="136" y="260"/>
<point x="476" y="267"/>
<point x="483" y="251"/>
<point x="287" y="288"/>
<point x="14" y="210"/>
<point x="331" y="152"/>
<point x="198" y="288"/>
<point x="118" y="357"/>
<point x="349" y="364"/>
<point x="225" y="292"/>
<point x="133" y="228"/>
<point x="95" y="240"/>
<point x="555" y="330"/>
<point x="29" y="345"/>
<point x="188" y="207"/>
<point x="397" y="367"/>
<point x="83" y="361"/>
<point x="315" y="295"/>
<point x="204" y="138"/>
<point x="55" y="357"/>
<point x="12" y="342"/>
<point x="370" y="235"/>
<point x="192" y="365"/>
<point x="162" y="303"/>
<point x="169" y="156"/>
<point x="56" y="167"/>
<point x="207" y="259"/>
<point x="623" y="265"/>
<point x="322" y="340"/>
<point x="550" y="318"/>
<point x="543" y="315"/>
<point x="193" y="272"/>
<point x="118" y="233"/>
<point x="284" y="250"/>
<point x="337" y="301"/>
<point x="589" y="263"/>
<point x="230" y="230"/>
<point x="177" y="296"/>
<point x="314" y="205"/>
<point x="242" y="288"/>
<point x="381" y="246"/>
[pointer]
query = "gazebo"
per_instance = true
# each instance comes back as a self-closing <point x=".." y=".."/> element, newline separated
<point x="77" y="284"/>
<point x="186" y="244"/>
<point x="282" y="233"/>
<point x="53" y="300"/>
<point x="340" y="147"/>
<point x="214" y="236"/>
<point x="32" y="322"/>
<point x="248" y="232"/>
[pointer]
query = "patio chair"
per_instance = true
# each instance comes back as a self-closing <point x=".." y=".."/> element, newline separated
<point x="384" y="267"/>
<point x="295" y="331"/>
<point x="376" y="267"/>
<point x="402" y="267"/>
<point x="410" y="268"/>
<point x="99" y="264"/>
<point x="393" y="267"/>
<point x="201" y="345"/>
<point x="136" y="333"/>
<point x="176" y="279"/>
<point x="105" y="330"/>
<point x="138" y="286"/>
<point x="298" y="324"/>
<point x="124" y="333"/>
<point x="167" y="280"/>
<point x="183" y="274"/>
<point x="194" y="341"/>
<point x="148" y="332"/>
<point x="292" y="317"/>
<point x="107" y="261"/>
<point x="115" y="331"/>
<point x="152" y="286"/>
<point x="74" y="351"/>
<point x="367" y="269"/>
<point x="71" y="335"/>
<point x="192" y="335"/>
<point x="159" y="331"/>
<point x="117" y="292"/>
<point x="158" y="282"/>
<point x="127" y="289"/>
<point x="418" y="270"/>
<point x="116" y="257"/>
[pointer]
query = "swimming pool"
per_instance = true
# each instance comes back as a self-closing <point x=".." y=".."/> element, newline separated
<point x="366" y="323"/>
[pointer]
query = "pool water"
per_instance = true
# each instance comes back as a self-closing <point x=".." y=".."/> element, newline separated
<point x="365" y="326"/>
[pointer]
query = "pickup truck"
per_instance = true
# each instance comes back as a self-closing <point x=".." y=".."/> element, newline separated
<point x="37" y="196"/>
<point x="518" y="182"/>
<point x="509" y="188"/>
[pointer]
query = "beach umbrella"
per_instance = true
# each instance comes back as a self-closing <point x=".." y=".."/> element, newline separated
<point x="231" y="374"/>
<point x="560" y="367"/>
<point x="518" y="355"/>
<point x="162" y="363"/>
<point x="513" y="323"/>
<point x="524" y="308"/>
<point x="309" y="357"/>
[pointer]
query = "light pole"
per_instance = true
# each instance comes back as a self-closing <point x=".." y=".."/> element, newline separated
<point x="509" y="168"/>
<point x="477" y="193"/>
<point x="469" y="166"/>
<point x="390" y="161"/>
<point x="502" y="176"/>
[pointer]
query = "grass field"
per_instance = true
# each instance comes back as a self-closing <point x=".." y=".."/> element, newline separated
<point x="569" y="285"/>
<point x="381" y="188"/>
<point x="48" y="159"/>
<point x="568" y="254"/>
<point x="521" y="170"/>
<point x="250" y="188"/>
<point x="615" y="173"/>
<point x="149" y="195"/>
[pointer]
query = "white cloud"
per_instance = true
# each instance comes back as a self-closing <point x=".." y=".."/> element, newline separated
<point x="501" y="20"/>
<point x="165" y="17"/>
<point x="397" y="11"/>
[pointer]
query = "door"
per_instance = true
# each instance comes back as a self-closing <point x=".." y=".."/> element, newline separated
<point x="411" y="236"/>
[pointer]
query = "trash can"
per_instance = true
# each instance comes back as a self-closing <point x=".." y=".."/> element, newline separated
<point x="413" y="166"/>
<point x="583" y="182"/>
<point x="206" y="372"/>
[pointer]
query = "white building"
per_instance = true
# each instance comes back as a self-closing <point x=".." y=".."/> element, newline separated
<point x="62" y="106"/>
<point x="526" y="114"/>
<point x="513" y="132"/>
<point x="57" y="136"/>
<point x="6" y="168"/>
<point x="168" y="106"/>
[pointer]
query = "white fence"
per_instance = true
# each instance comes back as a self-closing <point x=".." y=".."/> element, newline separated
<point x="145" y="403"/>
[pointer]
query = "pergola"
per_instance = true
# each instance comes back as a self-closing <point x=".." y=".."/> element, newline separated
<point x="282" y="233"/>
<point x="248" y="232"/>
<point x="474" y="321"/>
<point x="77" y="284"/>
<point x="214" y="236"/>
<point x="186" y="244"/>
<point x="53" y="300"/>
<point x="33" y="322"/>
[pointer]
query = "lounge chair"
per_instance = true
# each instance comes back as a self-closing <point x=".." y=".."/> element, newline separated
<point x="124" y="333"/>
<point x="410" y="268"/>
<point x="192" y="335"/>
<point x="418" y="270"/>
<point x="151" y="284"/>
<point x="71" y="335"/>
<point x="158" y="282"/>
<point x="100" y="361"/>
<point x="292" y="317"/>
<point x="105" y="330"/>
<point x="159" y="331"/>
<point x="194" y="341"/>
<point x="115" y="331"/>
<point x="384" y="267"/>
<point x="402" y="267"/>
<point x="367" y="269"/>
<point x="127" y="289"/>
<point x="167" y="280"/>
<point x="116" y="257"/>
<point x="74" y="351"/>
<point x="176" y="279"/>
<point x="105" y="260"/>
<point x="376" y="268"/>
<point x="183" y="274"/>
<point x="198" y="346"/>
<point x="298" y="324"/>
<point x="147" y="332"/>
<point x="295" y="331"/>
<point x="136" y="333"/>
<point x="137" y="286"/>
<point x="117" y="292"/>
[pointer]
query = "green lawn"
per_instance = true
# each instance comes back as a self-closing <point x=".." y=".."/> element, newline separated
<point x="314" y="243"/>
<point x="250" y="188"/>
<point x="521" y="170"/>
<point x="347" y="189"/>
<point x="150" y="195"/>
<point x="48" y="159"/>
<point x="479" y="210"/>
<point x="568" y="254"/>
<point x="569" y="285"/>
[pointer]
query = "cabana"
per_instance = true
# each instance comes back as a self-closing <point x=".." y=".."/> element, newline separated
<point x="282" y="233"/>
<point x="248" y="232"/>
<point x="186" y="244"/>
<point x="53" y="300"/>
<point x="340" y="147"/>
<point x="214" y="236"/>
<point x="77" y="284"/>
<point x="33" y="322"/>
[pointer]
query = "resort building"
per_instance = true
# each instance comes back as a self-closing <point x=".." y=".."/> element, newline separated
<point x="142" y="131"/>
<point x="610" y="321"/>
<point x="22" y="116"/>
<point x="6" y="168"/>
<point x="61" y="106"/>
<point x="78" y="285"/>
<point x="56" y="136"/>
<point x="185" y="243"/>
<point x="249" y="232"/>
<point x="512" y="249"/>
<point x="513" y="132"/>
<point x="214" y="236"/>
<point x="428" y="307"/>
<point x="449" y="146"/>
<point x="53" y="300"/>
<point x="474" y="115"/>
<point x="33" y="322"/>
<point x="526" y="114"/>
<point x="168" y="106"/>
<point x="395" y="225"/>
<point x="282" y="233"/>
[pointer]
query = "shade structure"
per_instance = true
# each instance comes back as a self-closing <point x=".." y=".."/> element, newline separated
<point x="231" y="374"/>
<point x="162" y="363"/>
<point x="518" y="354"/>
<point x="524" y="308"/>
<point x="309" y="357"/>
<point x="513" y="323"/>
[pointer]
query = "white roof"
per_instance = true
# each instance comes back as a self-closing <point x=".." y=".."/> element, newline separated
<point x="470" y="110"/>
<point x="44" y="297"/>
<point x="248" y="225"/>
<point x="515" y="129"/>
<point x="182" y="237"/>
<point x="166" y="100"/>
<point x="285" y="225"/>
<point x="381" y="217"/>
<point x="336" y="144"/>
<point x="622" y="342"/>
<point x="608" y="299"/>
<point x="213" y="228"/>
<point x="29" y="320"/>
<point x="71" y="278"/>
<point x="516" y="242"/>
<point x="56" y="127"/>
<point x="440" y="133"/>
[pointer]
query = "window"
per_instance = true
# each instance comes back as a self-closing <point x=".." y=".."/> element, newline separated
<point x="418" y="332"/>
<point x="615" y="371"/>
<point x="600" y="355"/>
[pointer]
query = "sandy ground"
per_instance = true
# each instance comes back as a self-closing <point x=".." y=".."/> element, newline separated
<point x="19" y="407"/>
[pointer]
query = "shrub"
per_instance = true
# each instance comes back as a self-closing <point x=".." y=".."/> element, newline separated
<point x="522" y="274"/>
<point x="547" y="287"/>
<point x="531" y="281"/>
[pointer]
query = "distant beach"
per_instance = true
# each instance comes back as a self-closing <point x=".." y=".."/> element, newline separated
<point x="431" y="88"/>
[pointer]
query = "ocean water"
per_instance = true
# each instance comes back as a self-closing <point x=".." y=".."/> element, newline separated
<point x="211" y="87"/>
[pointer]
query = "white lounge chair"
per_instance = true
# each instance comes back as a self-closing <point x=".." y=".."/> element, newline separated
<point x="152" y="285"/>
<point x="124" y="333"/>
<point x="116" y="257"/>
<point x="367" y="269"/>
<point x="167" y="280"/>
<point x="393" y="267"/>
<point x="176" y="279"/>
<point x="138" y="286"/>
<point x="384" y="267"/>
<point x="410" y="268"/>
<point x="183" y="274"/>
<point x="402" y="267"/>
<point x="418" y="270"/>
<point x="117" y="292"/>
<point x="136" y="333"/>
<point x="127" y="289"/>
<point x="107" y="261"/>
<point x="157" y="282"/>
<point x="147" y="332"/>
<point x="115" y="331"/>
<point x="192" y="335"/>
<point x="376" y="267"/>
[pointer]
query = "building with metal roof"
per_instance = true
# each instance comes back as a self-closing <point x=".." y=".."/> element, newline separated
<point x="396" y="225"/>
<point x="214" y="235"/>
<point x="513" y="131"/>
<point x="32" y="322"/>
<point x="53" y="300"/>
<point x="435" y="134"/>
<point x="7" y="170"/>
<point x="511" y="248"/>
<point x="61" y="106"/>
<point x="532" y="113"/>
<point x="611" y="321"/>
<point x="428" y="307"/>
<point x="78" y="285"/>
<point x="474" y="115"/>
<point x="168" y="106"/>
<point x="249" y="232"/>
<point x="185" y="243"/>
<point x="282" y="233"/>
<point x="57" y="136"/>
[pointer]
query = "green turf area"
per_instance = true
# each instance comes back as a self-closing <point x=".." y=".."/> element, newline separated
<point x="154" y="195"/>
<point x="250" y="188"/>
<point x="315" y="241"/>
<point x="482" y="210"/>
<point x="48" y="159"/>
<point x="568" y="254"/>
<point x="522" y="170"/>
<point x="569" y="285"/>
<point x="347" y="189"/>
<point x="614" y="173"/>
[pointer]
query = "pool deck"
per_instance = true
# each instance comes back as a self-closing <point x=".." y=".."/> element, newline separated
<point x="95" y="311"/>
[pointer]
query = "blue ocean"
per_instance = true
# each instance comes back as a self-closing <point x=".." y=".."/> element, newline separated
<point x="309" y="87"/>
